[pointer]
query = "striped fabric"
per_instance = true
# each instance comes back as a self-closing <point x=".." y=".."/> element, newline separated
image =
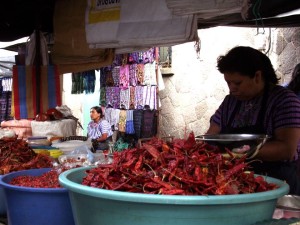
<point x="24" y="105"/>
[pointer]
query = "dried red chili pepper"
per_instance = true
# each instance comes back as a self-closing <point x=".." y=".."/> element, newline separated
<point x="46" y="180"/>
<point x="16" y="154"/>
<point x="184" y="167"/>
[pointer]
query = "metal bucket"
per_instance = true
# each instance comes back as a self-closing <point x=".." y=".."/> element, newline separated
<point x="287" y="206"/>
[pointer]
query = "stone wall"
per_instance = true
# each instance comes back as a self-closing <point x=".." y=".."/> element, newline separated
<point x="287" y="50"/>
<point x="196" y="89"/>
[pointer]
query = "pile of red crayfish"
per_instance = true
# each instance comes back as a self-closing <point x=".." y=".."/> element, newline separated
<point x="179" y="167"/>
<point x="16" y="154"/>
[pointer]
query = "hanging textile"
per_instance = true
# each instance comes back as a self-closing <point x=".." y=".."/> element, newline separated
<point x="133" y="57"/>
<point x="102" y="100"/>
<point x="124" y="77"/>
<point x="148" y="56"/>
<point x="116" y="75"/>
<point x="139" y="97"/>
<point x="113" y="97"/>
<point x="6" y="84"/>
<point x="89" y="78"/>
<point x="137" y="122"/>
<point x="24" y="105"/>
<point x="5" y="104"/>
<point x="132" y="74"/>
<point x="129" y="122"/>
<point x="124" y="98"/>
<point x="140" y="74"/>
<point x="77" y="83"/>
<point x="148" y="127"/>
<point x="150" y="74"/>
<point x="5" y="98"/>
<point x="122" y="121"/>
<point x="149" y="96"/>
<point x="132" y="98"/>
<point x="83" y="82"/>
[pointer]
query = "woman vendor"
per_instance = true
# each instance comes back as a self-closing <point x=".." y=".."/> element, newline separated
<point x="256" y="104"/>
<point x="99" y="130"/>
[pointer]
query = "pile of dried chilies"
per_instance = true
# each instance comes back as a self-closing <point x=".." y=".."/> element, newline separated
<point x="16" y="154"/>
<point x="180" y="167"/>
<point x="46" y="180"/>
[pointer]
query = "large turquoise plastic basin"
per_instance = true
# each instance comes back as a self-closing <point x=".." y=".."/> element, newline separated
<point x="94" y="206"/>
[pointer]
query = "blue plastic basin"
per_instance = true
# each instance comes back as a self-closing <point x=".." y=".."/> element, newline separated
<point x="2" y="202"/>
<point x="35" y="206"/>
<point x="95" y="206"/>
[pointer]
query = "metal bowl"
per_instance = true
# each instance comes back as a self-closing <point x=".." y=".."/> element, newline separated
<point x="288" y="206"/>
<point x="235" y="142"/>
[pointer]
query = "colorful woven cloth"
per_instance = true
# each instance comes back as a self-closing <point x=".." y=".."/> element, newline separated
<point x="149" y="96"/>
<point x="25" y="91"/>
<point x="116" y="75"/>
<point x="124" y="98"/>
<point x="140" y="74"/>
<point x="132" y="98"/>
<point x="113" y="97"/>
<point x="124" y="77"/>
<point x="132" y="75"/>
<point x="102" y="100"/>
<point x="129" y="122"/>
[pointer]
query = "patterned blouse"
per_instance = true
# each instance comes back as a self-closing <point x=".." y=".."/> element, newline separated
<point x="95" y="130"/>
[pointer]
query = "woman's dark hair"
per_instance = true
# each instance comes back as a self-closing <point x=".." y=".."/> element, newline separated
<point x="247" y="61"/>
<point x="294" y="84"/>
<point x="98" y="110"/>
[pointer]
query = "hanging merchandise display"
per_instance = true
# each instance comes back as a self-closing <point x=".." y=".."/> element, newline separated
<point x="128" y="90"/>
<point x="83" y="82"/>
<point x="25" y="91"/>
<point x="5" y="98"/>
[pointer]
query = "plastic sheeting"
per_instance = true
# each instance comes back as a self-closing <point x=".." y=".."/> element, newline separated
<point x="57" y="128"/>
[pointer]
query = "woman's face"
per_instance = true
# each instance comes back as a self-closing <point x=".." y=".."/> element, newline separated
<point x="244" y="87"/>
<point x="94" y="114"/>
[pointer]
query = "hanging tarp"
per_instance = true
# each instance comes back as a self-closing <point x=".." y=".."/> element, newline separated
<point x="204" y="8"/>
<point x="70" y="51"/>
<point x="132" y="28"/>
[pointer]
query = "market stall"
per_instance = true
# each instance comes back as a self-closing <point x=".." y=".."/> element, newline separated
<point x="128" y="96"/>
